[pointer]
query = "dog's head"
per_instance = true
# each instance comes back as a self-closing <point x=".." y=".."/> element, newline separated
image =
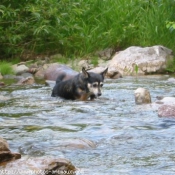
<point x="94" y="82"/>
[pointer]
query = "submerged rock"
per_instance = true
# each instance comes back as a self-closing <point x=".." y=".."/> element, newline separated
<point x="166" y="111"/>
<point x="137" y="60"/>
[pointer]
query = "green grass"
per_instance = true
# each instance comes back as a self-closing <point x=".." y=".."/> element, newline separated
<point x="6" y="68"/>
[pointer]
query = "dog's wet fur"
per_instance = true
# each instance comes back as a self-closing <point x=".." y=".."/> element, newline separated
<point x="83" y="86"/>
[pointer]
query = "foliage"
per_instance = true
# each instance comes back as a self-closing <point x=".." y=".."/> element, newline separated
<point x="78" y="27"/>
<point x="6" y="68"/>
<point x="94" y="60"/>
<point x="171" y="65"/>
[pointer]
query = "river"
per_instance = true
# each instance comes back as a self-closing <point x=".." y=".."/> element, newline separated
<point x="111" y="135"/>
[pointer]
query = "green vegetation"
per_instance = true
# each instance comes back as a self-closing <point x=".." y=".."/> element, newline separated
<point x="94" y="60"/>
<point x="79" y="27"/>
<point x="6" y="68"/>
<point x="171" y="66"/>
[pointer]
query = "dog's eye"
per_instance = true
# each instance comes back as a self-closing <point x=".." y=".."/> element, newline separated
<point x="101" y="85"/>
<point x="94" y="85"/>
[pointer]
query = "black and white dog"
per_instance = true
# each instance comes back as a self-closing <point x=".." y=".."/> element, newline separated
<point x="82" y="86"/>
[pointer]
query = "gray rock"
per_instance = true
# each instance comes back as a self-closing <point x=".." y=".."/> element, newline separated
<point x="20" y="69"/>
<point x="137" y="60"/>
<point x="113" y="74"/>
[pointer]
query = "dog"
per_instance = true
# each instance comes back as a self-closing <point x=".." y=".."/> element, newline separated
<point x="83" y="86"/>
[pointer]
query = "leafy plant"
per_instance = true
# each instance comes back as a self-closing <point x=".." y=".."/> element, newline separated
<point x="77" y="28"/>
<point x="170" y="66"/>
<point x="6" y="68"/>
<point x="94" y="61"/>
<point x="136" y="68"/>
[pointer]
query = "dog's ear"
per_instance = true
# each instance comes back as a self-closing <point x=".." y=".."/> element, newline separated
<point x="85" y="73"/>
<point x="104" y="72"/>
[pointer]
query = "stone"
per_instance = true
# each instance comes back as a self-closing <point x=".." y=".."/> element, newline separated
<point x="54" y="70"/>
<point x="85" y="64"/>
<point x="114" y="75"/>
<point x="105" y="54"/>
<point x="171" y="80"/>
<point x="41" y="166"/>
<point x="18" y="70"/>
<point x="166" y="101"/>
<point x="166" y="111"/>
<point x="26" y="74"/>
<point x="5" y="154"/>
<point x="140" y="61"/>
<point x="142" y="96"/>
<point x="26" y="81"/>
<point x="40" y="73"/>
<point x="78" y="143"/>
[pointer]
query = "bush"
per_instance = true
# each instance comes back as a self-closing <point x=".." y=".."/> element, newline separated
<point x="6" y="68"/>
<point x="76" y="27"/>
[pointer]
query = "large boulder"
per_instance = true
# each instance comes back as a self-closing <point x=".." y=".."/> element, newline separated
<point x="138" y="60"/>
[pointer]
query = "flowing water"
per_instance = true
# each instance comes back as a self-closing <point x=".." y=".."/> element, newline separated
<point x="111" y="135"/>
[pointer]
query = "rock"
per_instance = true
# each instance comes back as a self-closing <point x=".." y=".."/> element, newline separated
<point x="20" y="69"/>
<point x="5" y="154"/>
<point x="142" y="96"/>
<point x="4" y="145"/>
<point x="171" y="80"/>
<point x="166" y="111"/>
<point x="26" y="74"/>
<point x="26" y="81"/>
<point x="166" y="101"/>
<point x="40" y="73"/>
<point x="79" y="143"/>
<point x="105" y="54"/>
<point x="137" y="60"/>
<point x="41" y="166"/>
<point x="84" y="63"/>
<point x="56" y="70"/>
<point x="115" y="74"/>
